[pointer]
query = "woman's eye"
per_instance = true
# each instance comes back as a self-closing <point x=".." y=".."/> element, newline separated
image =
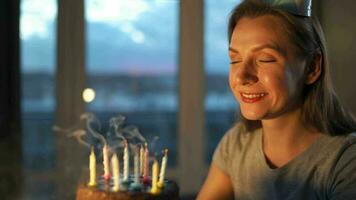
<point x="235" y="62"/>
<point x="267" y="61"/>
<point x="266" y="58"/>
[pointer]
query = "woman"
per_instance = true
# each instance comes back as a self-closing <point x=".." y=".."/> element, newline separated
<point x="295" y="139"/>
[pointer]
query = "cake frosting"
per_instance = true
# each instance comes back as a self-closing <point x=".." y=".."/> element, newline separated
<point x="169" y="192"/>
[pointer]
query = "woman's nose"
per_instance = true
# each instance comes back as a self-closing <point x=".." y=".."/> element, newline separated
<point x="246" y="73"/>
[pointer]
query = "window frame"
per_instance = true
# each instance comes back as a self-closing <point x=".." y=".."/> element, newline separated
<point x="71" y="78"/>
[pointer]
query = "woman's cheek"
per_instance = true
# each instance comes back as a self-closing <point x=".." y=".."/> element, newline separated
<point x="232" y="81"/>
<point x="272" y="80"/>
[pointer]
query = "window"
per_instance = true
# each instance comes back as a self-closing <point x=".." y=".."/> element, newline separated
<point x="38" y="43"/>
<point x="220" y="105"/>
<point x="132" y="65"/>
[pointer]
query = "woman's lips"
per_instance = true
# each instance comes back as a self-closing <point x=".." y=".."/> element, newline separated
<point x="252" y="97"/>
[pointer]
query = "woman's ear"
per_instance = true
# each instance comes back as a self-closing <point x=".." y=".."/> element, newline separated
<point x="313" y="71"/>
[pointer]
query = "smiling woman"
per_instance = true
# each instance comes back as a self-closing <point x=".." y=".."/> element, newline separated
<point x="296" y="140"/>
<point x="267" y="71"/>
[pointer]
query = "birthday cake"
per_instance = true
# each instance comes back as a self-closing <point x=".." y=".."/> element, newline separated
<point x="144" y="181"/>
<point x="169" y="192"/>
<point x="137" y="186"/>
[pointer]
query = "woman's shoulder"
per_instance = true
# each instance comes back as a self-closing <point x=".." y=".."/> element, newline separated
<point x="238" y="130"/>
<point x="341" y="143"/>
<point x="236" y="141"/>
<point x="345" y="146"/>
<point x="238" y="136"/>
<point x="336" y="152"/>
<point x="350" y="139"/>
<point x="335" y="146"/>
<point x="342" y="176"/>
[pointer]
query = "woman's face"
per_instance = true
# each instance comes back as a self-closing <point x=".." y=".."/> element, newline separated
<point x="266" y="77"/>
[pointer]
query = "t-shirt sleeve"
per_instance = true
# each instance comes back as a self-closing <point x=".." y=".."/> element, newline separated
<point x="222" y="155"/>
<point x="343" y="184"/>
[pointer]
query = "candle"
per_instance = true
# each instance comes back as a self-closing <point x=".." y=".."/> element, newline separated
<point x="116" y="172"/>
<point x="106" y="162"/>
<point x="163" y="169"/>
<point x="136" y="167"/>
<point x="126" y="162"/>
<point x="92" y="168"/>
<point x="146" y="159"/>
<point x="142" y="159"/>
<point x="154" y="188"/>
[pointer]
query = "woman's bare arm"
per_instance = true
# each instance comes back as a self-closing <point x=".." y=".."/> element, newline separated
<point x="217" y="186"/>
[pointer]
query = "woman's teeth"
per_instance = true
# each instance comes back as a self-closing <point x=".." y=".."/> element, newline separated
<point x="252" y="96"/>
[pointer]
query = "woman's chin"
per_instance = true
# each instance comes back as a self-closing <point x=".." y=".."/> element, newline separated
<point x="252" y="115"/>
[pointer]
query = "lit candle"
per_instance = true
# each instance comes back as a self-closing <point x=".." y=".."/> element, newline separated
<point x="116" y="172"/>
<point x="163" y="169"/>
<point x="126" y="162"/>
<point x="92" y="168"/>
<point x="106" y="162"/>
<point x="142" y="159"/>
<point x="136" y="167"/>
<point x="154" y="188"/>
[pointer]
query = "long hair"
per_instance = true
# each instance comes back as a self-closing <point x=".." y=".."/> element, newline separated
<point x="321" y="107"/>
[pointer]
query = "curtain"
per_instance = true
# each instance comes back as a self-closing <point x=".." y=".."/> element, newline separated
<point x="10" y="137"/>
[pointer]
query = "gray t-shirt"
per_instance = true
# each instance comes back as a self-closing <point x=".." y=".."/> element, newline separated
<point x="326" y="170"/>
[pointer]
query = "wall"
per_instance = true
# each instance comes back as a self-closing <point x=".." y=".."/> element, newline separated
<point x="338" y="19"/>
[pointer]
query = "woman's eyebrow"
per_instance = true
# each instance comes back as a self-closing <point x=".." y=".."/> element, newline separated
<point x="233" y="50"/>
<point x="273" y="46"/>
